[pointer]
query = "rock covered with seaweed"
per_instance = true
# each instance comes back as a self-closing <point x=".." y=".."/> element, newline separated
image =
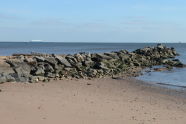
<point x="43" y="67"/>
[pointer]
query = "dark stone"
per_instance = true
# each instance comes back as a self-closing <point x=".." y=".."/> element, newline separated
<point x="62" y="61"/>
<point x="30" y="61"/>
<point x="33" y="79"/>
<point x="174" y="63"/>
<point x="23" y="70"/>
<point x="71" y="59"/>
<point x="10" y="78"/>
<point x="102" y="56"/>
<point x="88" y="63"/>
<point x="50" y="75"/>
<point x="113" y="55"/>
<point x="39" y="58"/>
<point x="79" y="57"/>
<point x="3" y="78"/>
<point x="14" y="62"/>
<point x="92" y="73"/>
<point x="51" y="60"/>
<point x="160" y="46"/>
<point x="21" y="78"/>
<point x="40" y="71"/>
<point x="48" y="68"/>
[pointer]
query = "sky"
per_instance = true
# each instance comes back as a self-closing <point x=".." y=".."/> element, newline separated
<point x="93" y="20"/>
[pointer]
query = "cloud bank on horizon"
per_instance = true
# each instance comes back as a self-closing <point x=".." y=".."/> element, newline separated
<point x="93" y="21"/>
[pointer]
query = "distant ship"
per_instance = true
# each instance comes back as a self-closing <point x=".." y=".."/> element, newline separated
<point x="36" y="41"/>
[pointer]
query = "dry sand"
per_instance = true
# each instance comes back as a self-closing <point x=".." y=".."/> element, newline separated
<point x="98" y="101"/>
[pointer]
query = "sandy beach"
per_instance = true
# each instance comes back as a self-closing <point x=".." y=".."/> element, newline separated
<point x="92" y="62"/>
<point x="103" y="100"/>
<point x="97" y="101"/>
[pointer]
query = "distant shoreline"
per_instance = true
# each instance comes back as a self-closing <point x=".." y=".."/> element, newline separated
<point x="92" y="42"/>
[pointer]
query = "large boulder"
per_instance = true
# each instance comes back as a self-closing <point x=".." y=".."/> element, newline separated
<point x="103" y="56"/>
<point x="48" y="68"/>
<point x="39" y="58"/>
<point x="91" y="73"/>
<point x="63" y="61"/>
<point x="3" y="78"/>
<point x="79" y="57"/>
<point x="40" y="71"/>
<point x="174" y="63"/>
<point x="23" y="69"/>
<point x="14" y="62"/>
<point x="51" y="60"/>
<point x="113" y="55"/>
<point x="71" y="59"/>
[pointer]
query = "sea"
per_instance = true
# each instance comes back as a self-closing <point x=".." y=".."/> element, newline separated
<point x="175" y="78"/>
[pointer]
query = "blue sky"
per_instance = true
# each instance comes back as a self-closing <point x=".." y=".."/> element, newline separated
<point x="93" y="20"/>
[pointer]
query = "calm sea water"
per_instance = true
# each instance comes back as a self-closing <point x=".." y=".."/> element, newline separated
<point x="177" y="76"/>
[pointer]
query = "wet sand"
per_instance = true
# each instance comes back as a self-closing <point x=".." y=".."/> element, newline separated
<point x="98" y="101"/>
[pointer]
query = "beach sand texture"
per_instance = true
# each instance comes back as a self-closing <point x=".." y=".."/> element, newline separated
<point x="97" y="101"/>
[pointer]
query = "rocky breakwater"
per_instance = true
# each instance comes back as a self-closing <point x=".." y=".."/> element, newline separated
<point x="44" y="67"/>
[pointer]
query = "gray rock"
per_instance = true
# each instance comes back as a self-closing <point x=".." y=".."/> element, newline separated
<point x="160" y="46"/>
<point x="124" y="52"/>
<point x="102" y="56"/>
<point x="30" y="60"/>
<point x="14" y="62"/>
<point x="68" y="69"/>
<point x="3" y="78"/>
<point x="41" y="78"/>
<point x="79" y="57"/>
<point x="91" y="72"/>
<point x="113" y="55"/>
<point x="101" y="65"/>
<point x="50" y="75"/>
<point x="23" y="70"/>
<point x="40" y="71"/>
<point x="39" y="58"/>
<point x="60" y="69"/>
<point x="10" y="78"/>
<point x="21" y="78"/>
<point x="174" y="63"/>
<point x="71" y="59"/>
<point x="48" y="68"/>
<point x="51" y="60"/>
<point x="33" y="79"/>
<point x="88" y="63"/>
<point x="63" y="61"/>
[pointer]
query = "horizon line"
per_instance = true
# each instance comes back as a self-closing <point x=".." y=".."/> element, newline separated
<point x="83" y="42"/>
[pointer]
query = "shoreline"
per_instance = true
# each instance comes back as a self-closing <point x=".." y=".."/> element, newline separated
<point x="36" y="67"/>
<point x="103" y="100"/>
<point x="156" y="87"/>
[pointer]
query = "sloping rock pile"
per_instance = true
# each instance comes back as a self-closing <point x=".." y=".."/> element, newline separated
<point x="43" y="67"/>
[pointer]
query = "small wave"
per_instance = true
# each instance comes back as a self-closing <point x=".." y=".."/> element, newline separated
<point x="172" y="85"/>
